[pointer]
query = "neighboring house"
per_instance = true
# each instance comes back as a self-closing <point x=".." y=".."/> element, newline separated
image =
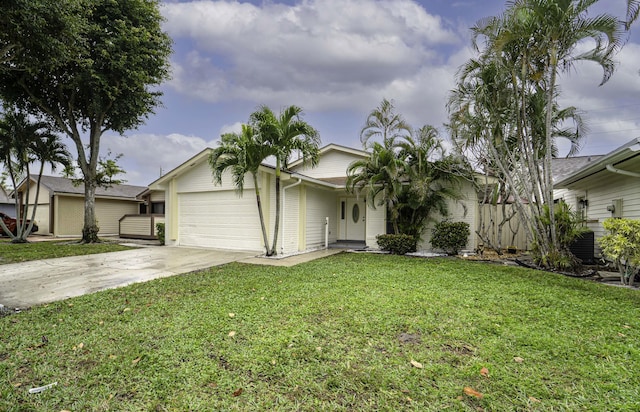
<point x="142" y="225"/>
<point x="7" y="204"/>
<point x="603" y="187"/>
<point x="60" y="210"/>
<point x="316" y="208"/>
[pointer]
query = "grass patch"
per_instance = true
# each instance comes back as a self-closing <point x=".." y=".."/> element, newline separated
<point x="23" y="252"/>
<point x="338" y="334"/>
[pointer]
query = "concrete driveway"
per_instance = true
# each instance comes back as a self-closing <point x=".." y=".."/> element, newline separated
<point x="32" y="283"/>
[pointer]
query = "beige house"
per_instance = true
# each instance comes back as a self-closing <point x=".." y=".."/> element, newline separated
<point x="60" y="210"/>
<point x="603" y="187"/>
<point x="316" y="208"/>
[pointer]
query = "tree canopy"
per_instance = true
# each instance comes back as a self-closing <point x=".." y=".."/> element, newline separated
<point x="108" y="58"/>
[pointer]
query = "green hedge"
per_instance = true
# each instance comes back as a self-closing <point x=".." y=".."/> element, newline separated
<point x="397" y="244"/>
<point x="160" y="230"/>
<point x="450" y="236"/>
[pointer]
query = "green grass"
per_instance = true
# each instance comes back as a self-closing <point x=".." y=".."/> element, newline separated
<point x="23" y="252"/>
<point x="326" y="336"/>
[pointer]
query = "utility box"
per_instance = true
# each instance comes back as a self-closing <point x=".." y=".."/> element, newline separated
<point x="583" y="248"/>
<point x="615" y="208"/>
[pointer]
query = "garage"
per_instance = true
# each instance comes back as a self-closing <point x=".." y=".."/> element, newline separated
<point x="220" y="220"/>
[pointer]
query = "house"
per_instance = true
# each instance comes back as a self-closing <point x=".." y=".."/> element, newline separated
<point x="60" y="210"/>
<point x="7" y="204"/>
<point x="603" y="187"/>
<point x="316" y="208"/>
<point x="143" y="225"/>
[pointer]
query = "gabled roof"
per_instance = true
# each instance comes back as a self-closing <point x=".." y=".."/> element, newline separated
<point x="334" y="147"/>
<point x="618" y="155"/>
<point x="62" y="185"/>
<point x="566" y="166"/>
<point x="203" y="156"/>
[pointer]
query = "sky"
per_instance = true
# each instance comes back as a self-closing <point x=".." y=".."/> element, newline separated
<point x="337" y="59"/>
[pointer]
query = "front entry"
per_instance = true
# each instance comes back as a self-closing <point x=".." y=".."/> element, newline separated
<point x="355" y="217"/>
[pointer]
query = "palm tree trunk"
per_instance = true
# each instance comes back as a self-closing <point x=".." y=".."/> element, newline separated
<point x="265" y="238"/>
<point x="548" y="153"/>
<point x="274" y="250"/>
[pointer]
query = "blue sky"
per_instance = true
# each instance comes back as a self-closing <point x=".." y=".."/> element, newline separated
<point x="337" y="59"/>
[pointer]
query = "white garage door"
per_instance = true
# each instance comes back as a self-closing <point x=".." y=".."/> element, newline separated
<point x="219" y="220"/>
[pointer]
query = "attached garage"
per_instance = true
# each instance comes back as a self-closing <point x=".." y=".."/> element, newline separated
<point x="220" y="220"/>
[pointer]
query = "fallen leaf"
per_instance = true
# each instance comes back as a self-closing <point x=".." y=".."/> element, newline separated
<point x="484" y="372"/>
<point x="532" y="399"/>
<point x="65" y="410"/>
<point x="459" y="398"/>
<point x="70" y="304"/>
<point x="416" y="364"/>
<point x="273" y="361"/>
<point x="126" y="310"/>
<point x="112" y="356"/>
<point x="101" y="322"/>
<point x="472" y="392"/>
<point x="518" y="359"/>
<point x="232" y="315"/>
<point x="17" y="384"/>
<point x="262" y="298"/>
<point x="622" y="335"/>
<point x="80" y="345"/>
<point x="237" y="392"/>
<point x="136" y="360"/>
<point x="626" y="326"/>
<point x="232" y="333"/>
<point x="319" y="349"/>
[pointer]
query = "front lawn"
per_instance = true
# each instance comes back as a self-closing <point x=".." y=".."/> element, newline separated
<point x="22" y="252"/>
<point x="347" y="332"/>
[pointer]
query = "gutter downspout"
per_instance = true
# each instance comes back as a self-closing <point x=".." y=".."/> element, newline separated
<point x="622" y="172"/>
<point x="284" y="208"/>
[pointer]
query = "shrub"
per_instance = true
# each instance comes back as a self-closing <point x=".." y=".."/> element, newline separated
<point x="397" y="244"/>
<point x="450" y="236"/>
<point x="568" y="228"/>
<point x="621" y="244"/>
<point x="160" y="232"/>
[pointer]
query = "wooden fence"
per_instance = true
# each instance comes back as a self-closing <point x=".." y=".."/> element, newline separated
<point x="490" y="217"/>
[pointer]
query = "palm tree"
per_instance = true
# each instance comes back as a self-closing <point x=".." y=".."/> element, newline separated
<point x="286" y="133"/>
<point x="530" y="43"/>
<point x="380" y="177"/>
<point x="47" y="149"/>
<point x="434" y="180"/>
<point x="23" y="142"/>
<point x="242" y="153"/>
<point x="385" y="124"/>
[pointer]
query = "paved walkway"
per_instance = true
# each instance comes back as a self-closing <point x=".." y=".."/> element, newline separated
<point x="41" y="281"/>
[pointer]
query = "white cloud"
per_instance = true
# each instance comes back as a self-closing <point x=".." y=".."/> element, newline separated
<point x="145" y="155"/>
<point x="231" y="128"/>
<point x="313" y="53"/>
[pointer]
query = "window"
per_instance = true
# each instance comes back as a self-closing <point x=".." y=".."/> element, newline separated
<point x="157" y="208"/>
<point x="355" y="213"/>
<point x="343" y="210"/>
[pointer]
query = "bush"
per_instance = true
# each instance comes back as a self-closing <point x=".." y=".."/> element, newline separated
<point x="160" y="232"/>
<point x="397" y="244"/>
<point x="450" y="236"/>
<point x="621" y="244"/>
<point x="568" y="228"/>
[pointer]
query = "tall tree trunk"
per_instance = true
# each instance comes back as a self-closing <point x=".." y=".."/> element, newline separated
<point x="548" y="152"/>
<point x="274" y="250"/>
<point x="90" y="229"/>
<point x="265" y="237"/>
